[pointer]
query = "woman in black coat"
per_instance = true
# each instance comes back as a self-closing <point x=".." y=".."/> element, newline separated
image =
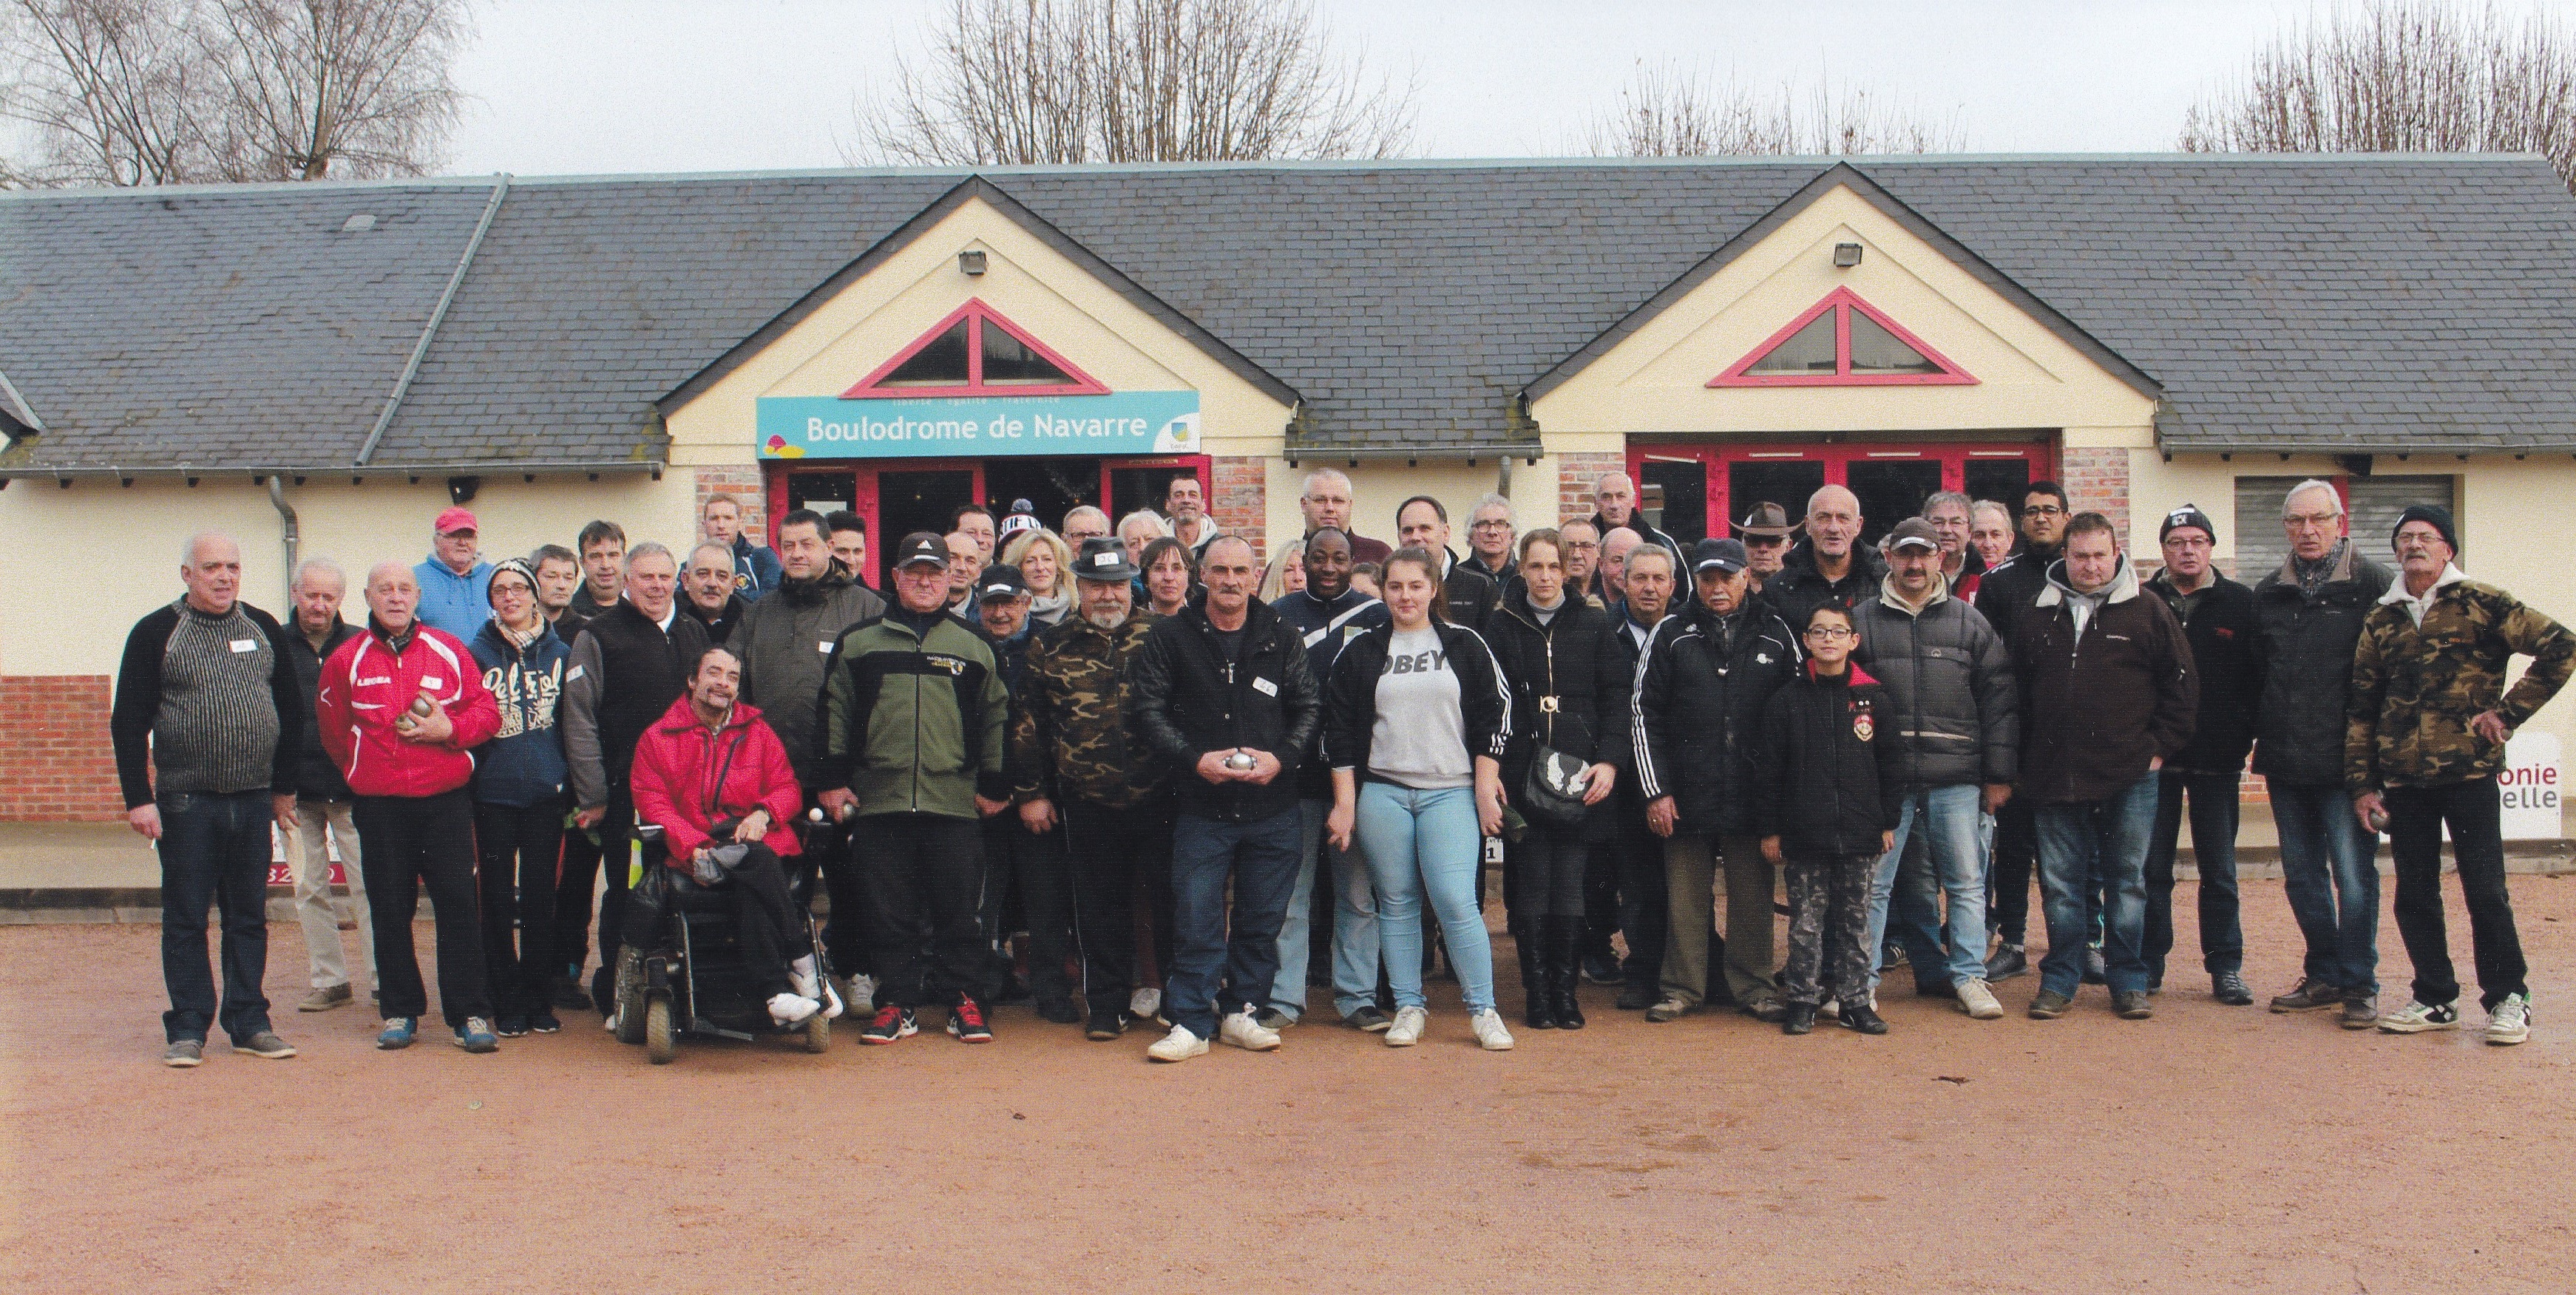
<point x="1566" y="684"/>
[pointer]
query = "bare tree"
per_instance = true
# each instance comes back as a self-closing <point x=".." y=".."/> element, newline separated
<point x="1061" y="81"/>
<point x="1671" y="111"/>
<point x="129" y="92"/>
<point x="2401" y="76"/>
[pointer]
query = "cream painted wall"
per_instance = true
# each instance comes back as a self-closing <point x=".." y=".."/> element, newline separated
<point x="78" y="567"/>
<point x="1035" y="286"/>
<point x="1378" y="488"/>
<point x="1656" y="379"/>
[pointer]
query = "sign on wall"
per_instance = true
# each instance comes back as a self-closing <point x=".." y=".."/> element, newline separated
<point x="1125" y="422"/>
<point x="2528" y="786"/>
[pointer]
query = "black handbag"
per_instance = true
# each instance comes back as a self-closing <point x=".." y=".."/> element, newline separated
<point x="1552" y="794"/>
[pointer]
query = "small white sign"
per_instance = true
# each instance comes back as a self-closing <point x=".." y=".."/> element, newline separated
<point x="2529" y="787"/>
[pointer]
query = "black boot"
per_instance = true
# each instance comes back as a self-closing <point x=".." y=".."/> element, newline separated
<point x="1538" y="1007"/>
<point x="1565" y="969"/>
<point x="1798" y="1018"/>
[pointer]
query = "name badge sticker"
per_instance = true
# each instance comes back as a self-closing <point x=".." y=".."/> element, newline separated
<point x="245" y="645"/>
<point x="1265" y="687"/>
<point x="577" y="672"/>
<point x="823" y="646"/>
<point x="432" y="682"/>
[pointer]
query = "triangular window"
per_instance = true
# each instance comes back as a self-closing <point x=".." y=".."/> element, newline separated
<point x="975" y="352"/>
<point x="1842" y="341"/>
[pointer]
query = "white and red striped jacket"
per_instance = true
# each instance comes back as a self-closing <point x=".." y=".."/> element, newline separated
<point x="371" y="681"/>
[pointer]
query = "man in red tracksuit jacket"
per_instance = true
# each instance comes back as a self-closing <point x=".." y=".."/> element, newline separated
<point x="399" y="708"/>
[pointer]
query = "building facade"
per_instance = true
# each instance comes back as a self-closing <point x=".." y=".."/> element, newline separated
<point x="319" y="368"/>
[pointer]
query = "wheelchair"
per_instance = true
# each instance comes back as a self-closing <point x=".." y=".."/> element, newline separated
<point x="681" y="972"/>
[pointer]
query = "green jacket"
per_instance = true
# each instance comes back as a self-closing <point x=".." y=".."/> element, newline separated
<point x="2414" y="690"/>
<point x="913" y="724"/>
<point x="1069" y="734"/>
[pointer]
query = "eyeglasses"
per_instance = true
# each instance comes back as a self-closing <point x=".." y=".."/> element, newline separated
<point x="1830" y="633"/>
<point x="2043" y="510"/>
<point x="2313" y="521"/>
<point x="1765" y="541"/>
<point x="1492" y="524"/>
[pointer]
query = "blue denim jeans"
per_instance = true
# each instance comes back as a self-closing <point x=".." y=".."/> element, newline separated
<point x="2099" y="843"/>
<point x="2330" y="872"/>
<point x="1225" y="966"/>
<point x="1947" y="818"/>
<point x="2213" y="810"/>
<point x="1354" y="922"/>
<point x="214" y="853"/>
<point x="1425" y="844"/>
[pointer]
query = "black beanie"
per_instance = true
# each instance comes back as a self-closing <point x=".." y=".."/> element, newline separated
<point x="2436" y="514"/>
<point x="2187" y="515"/>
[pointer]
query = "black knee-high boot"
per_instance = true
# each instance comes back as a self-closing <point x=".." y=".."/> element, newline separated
<point x="1538" y="1006"/>
<point x="1564" y="944"/>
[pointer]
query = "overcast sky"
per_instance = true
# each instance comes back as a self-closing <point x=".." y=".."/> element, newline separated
<point x="570" y="86"/>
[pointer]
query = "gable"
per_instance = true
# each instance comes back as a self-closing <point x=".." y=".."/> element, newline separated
<point x="836" y="357"/>
<point x="1684" y="364"/>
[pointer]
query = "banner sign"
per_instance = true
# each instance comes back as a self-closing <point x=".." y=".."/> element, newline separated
<point x="2528" y="786"/>
<point x="1125" y="422"/>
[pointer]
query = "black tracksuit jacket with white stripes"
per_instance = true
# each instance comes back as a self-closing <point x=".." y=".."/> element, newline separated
<point x="1697" y="716"/>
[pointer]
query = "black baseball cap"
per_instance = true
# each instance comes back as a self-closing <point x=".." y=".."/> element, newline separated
<point x="1720" y="555"/>
<point x="921" y="547"/>
<point x="1103" y="558"/>
<point x="1000" y="581"/>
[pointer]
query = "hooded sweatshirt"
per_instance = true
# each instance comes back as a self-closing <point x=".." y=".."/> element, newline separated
<point x="2101" y="695"/>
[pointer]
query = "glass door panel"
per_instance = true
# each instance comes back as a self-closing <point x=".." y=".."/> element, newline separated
<point x="1891" y="489"/>
<point x="1685" y="483"/>
<point x="1752" y="482"/>
<point x="915" y="501"/>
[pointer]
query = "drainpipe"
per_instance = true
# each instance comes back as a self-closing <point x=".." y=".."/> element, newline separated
<point x="1503" y="478"/>
<point x="286" y="514"/>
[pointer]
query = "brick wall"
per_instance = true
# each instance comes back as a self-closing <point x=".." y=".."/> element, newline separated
<point x="56" y="765"/>
<point x="743" y="483"/>
<point x="1575" y="474"/>
<point x="1240" y="499"/>
<point x="2099" y="480"/>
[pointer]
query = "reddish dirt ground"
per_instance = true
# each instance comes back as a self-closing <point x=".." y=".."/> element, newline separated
<point x="2210" y="1149"/>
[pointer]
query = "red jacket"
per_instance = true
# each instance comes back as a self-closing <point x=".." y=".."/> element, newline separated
<point x="366" y="685"/>
<point x="678" y="762"/>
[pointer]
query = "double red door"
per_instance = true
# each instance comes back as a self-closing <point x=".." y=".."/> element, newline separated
<point x="1705" y="486"/>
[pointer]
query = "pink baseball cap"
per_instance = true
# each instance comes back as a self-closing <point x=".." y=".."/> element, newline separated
<point x="454" y="520"/>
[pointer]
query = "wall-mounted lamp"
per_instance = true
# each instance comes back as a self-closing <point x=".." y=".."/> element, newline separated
<point x="970" y="262"/>
<point x="1846" y="255"/>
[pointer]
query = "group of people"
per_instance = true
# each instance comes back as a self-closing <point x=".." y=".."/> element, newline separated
<point x="1133" y="772"/>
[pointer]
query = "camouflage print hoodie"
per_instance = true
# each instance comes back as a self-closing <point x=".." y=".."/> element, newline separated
<point x="1069" y="734"/>
<point x="2415" y="688"/>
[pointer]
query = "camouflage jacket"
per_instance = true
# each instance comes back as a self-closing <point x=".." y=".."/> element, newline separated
<point x="2414" y="690"/>
<point x="1069" y="734"/>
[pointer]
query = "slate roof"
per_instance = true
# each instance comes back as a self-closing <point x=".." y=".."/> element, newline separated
<point x="2349" y="303"/>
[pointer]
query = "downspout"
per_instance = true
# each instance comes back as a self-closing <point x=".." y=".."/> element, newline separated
<point x="294" y="536"/>
<point x="437" y="315"/>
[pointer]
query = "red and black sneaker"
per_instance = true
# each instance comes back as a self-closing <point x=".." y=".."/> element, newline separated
<point x="891" y="1023"/>
<point x="966" y="1021"/>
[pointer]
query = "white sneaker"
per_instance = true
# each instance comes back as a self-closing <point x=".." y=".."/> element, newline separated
<point x="792" y="1009"/>
<point x="819" y="990"/>
<point x="1490" y="1032"/>
<point x="1144" y="1003"/>
<point x="1977" y="999"/>
<point x="863" y="994"/>
<point x="2419" y="1017"/>
<point x="2510" y="1022"/>
<point x="1410" y="1022"/>
<point x="1246" y="1033"/>
<point x="1179" y="1045"/>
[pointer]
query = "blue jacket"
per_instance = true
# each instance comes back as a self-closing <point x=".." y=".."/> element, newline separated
<point x="523" y="764"/>
<point x="756" y="570"/>
<point x="460" y="605"/>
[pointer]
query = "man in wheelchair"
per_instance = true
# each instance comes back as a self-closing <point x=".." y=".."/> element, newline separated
<point x="716" y="781"/>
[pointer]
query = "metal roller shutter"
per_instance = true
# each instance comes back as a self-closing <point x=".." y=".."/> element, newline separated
<point x="2373" y="504"/>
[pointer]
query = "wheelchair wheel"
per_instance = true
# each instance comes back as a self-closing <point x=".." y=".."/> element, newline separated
<point x="629" y="988"/>
<point x="661" y="1042"/>
<point x="818" y="1033"/>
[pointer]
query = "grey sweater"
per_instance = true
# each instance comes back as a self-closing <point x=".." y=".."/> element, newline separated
<point x="206" y="703"/>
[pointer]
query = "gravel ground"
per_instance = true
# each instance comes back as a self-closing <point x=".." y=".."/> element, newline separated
<point x="2210" y="1149"/>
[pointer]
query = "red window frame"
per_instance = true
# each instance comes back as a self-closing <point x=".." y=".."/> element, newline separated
<point x="1837" y="459"/>
<point x="1843" y="301"/>
<point x="978" y="316"/>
